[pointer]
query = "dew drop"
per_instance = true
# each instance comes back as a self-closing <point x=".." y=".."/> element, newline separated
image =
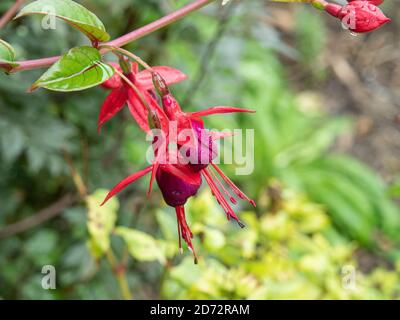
<point x="354" y="34"/>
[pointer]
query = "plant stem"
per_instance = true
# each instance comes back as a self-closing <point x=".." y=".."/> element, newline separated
<point x="10" y="13"/>
<point x="125" y="39"/>
<point x="120" y="274"/>
<point x="160" y="23"/>
<point x="76" y="177"/>
<point x="128" y="54"/>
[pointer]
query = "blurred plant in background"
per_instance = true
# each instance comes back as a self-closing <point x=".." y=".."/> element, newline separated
<point x="288" y="252"/>
<point x="327" y="209"/>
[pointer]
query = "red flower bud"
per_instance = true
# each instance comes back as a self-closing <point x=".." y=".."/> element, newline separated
<point x="359" y="15"/>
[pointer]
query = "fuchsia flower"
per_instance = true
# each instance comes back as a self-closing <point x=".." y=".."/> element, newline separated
<point x="122" y="93"/>
<point x="359" y="15"/>
<point x="180" y="181"/>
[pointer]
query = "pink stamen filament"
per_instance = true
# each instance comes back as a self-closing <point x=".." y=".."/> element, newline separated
<point x="219" y="183"/>
<point x="225" y="205"/>
<point x="216" y="194"/>
<point x="239" y="193"/>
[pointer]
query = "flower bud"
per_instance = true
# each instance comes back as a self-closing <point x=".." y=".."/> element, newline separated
<point x="125" y="65"/>
<point x="359" y="15"/>
<point x="160" y="84"/>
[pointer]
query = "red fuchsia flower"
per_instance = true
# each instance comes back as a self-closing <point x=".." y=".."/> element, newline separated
<point x="122" y="93"/>
<point x="204" y="149"/>
<point x="178" y="182"/>
<point x="359" y="15"/>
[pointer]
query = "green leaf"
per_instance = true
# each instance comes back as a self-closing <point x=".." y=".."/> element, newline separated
<point x="101" y="221"/>
<point x="7" y="56"/>
<point x="71" y="12"/>
<point x="81" y="68"/>
<point x="142" y="246"/>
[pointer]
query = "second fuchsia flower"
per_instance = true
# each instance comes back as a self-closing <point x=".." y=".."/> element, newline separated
<point x="358" y="15"/>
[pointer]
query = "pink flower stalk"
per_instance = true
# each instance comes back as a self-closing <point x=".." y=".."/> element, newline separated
<point x="359" y="15"/>
<point x="122" y="93"/>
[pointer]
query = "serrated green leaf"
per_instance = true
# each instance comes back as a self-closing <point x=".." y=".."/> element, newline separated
<point x="101" y="221"/>
<point x="71" y="12"/>
<point x="7" y="55"/>
<point x="81" y="68"/>
<point x="141" y="246"/>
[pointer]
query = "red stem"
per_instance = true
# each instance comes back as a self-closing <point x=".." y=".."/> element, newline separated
<point x="125" y="39"/>
<point x="10" y="13"/>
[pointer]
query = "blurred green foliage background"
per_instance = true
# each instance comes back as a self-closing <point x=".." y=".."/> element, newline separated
<point x="323" y="215"/>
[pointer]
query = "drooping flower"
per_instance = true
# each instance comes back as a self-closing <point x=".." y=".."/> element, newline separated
<point x="204" y="145"/>
<point x="122" y="93"/>
<point x="180" y="181"/>
<point x="359" y="15"/>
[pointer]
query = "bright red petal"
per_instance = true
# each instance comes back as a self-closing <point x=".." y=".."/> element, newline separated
<point x="138" y="110"/>
<point x="111" y="105"/>
<point x="156" y="165"/>
<point x="170" y="75"/>
<point x="115" y="81"/>
<point x="128" y="180"/>
<point x="218" y="110"/>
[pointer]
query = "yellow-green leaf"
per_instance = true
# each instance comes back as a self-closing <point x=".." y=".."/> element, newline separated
<point x="142" y="246"/>
<point x="101" y="221"/>
<point x="71" y="12"/>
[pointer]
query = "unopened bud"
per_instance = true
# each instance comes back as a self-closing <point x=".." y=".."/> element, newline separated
<point x="125" y="65"/>
<point x="160" y="84"/>
<point x="359" y="15"/>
